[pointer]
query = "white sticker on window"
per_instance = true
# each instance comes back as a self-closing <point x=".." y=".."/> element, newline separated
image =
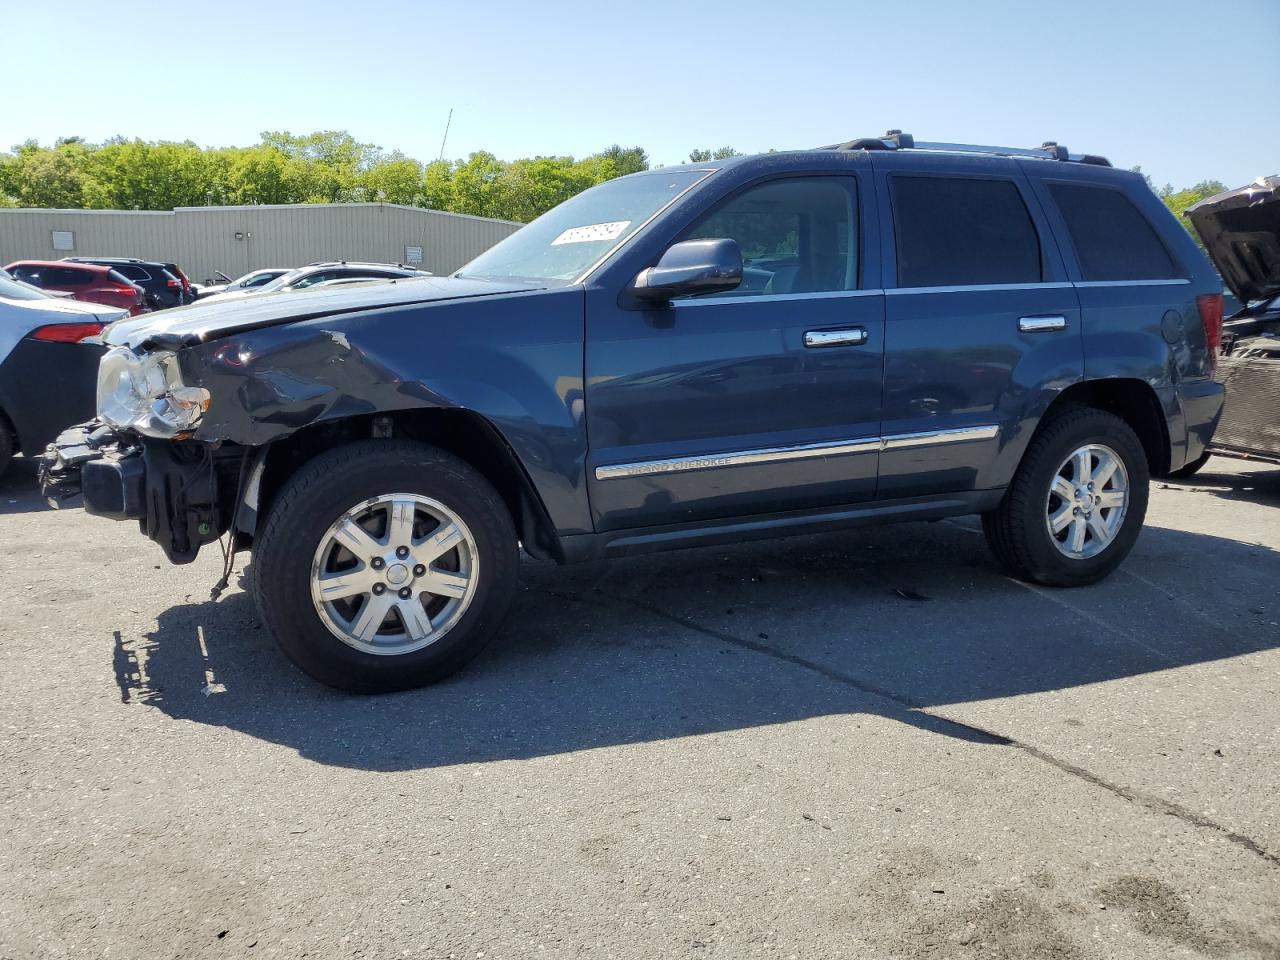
<point x="592" y="233"/>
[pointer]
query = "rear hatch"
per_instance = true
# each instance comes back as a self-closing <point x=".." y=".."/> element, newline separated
<point x="1241" y="232"/>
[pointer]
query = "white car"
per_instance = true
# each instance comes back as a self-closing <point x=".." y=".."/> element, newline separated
<point x="49" y="352"/>
<point x="246" y="284"/>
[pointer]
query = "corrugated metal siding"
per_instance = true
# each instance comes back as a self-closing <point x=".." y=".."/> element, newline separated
<point x="203" y="239"/>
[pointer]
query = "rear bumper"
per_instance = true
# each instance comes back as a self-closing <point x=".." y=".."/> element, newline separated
<point x="1201" y="404"/>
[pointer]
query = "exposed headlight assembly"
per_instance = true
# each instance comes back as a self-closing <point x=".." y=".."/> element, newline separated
<point x="146" y="393"/>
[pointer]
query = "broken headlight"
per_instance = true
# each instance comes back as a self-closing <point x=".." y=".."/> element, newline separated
<point x="146" y="393"/>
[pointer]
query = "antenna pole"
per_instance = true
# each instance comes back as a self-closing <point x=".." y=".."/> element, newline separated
<point x="445" y="139"/>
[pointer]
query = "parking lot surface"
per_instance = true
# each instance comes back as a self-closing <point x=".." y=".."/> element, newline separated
<point x="867" y="744"/>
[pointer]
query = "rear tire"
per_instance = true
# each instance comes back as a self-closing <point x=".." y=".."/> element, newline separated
<point x="348" y="564"/>
<point x="1095" y="528"/>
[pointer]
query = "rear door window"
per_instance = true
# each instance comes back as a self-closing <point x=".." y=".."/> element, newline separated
<point x="132" y="272"/>
<point x="960" y="231"/>
<point x="1112" y="239"/>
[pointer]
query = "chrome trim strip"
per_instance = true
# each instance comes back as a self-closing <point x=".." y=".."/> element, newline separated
<point x="737" y="458"/>
<point x="1133" y="283"/>
<point x="929" y="438"/>
<point x="775" y="297"/>
<point x="804" y="451"/>
<point x="844" y="337"/>
<point x="979" y="288"/>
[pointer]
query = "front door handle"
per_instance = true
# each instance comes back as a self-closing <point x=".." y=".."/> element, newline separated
<point x="1044" y="324"/>
<point x="842" y="337"/>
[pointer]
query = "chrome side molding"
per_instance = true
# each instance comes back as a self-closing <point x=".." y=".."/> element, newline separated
<point x="803" y="451"/>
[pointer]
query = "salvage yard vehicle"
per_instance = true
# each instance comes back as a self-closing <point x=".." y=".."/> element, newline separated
<point x="87" y="282"/>
<point x="49" y="356"/>
<point x="162" y="286"/>
<point x="243" y="284"/>
<point x="874" y="331"/>
<point x="1241" y="231"/>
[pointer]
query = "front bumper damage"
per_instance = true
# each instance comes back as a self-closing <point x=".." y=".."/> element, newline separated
<point x="178" y="491"/>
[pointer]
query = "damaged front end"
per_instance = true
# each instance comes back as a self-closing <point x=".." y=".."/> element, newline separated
<point x="181" y="492"/>
<point x="137" y="461"/>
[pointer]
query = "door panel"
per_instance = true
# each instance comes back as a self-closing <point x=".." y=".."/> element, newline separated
<point x="968" y="364"/>
<point x="714" y="407"/>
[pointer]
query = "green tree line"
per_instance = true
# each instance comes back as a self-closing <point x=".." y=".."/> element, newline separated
<point x="328" y="166"/>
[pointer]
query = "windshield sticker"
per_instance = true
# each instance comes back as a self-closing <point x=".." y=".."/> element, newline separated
<point x="592" y="233"/>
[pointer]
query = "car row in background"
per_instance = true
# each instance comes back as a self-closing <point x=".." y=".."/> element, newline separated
<point x="314" y="274"/>
<point x="88" y="282"/>
<point x="165" y="283"/>
<point x="49" y="351"/>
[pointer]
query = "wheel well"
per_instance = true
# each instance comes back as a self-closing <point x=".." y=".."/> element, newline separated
<point x="464" y="434"/>
<point x="1134" y="402"/>
<point x="6" y="425"/>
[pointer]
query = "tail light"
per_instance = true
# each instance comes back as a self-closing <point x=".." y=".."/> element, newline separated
<point x="66" y="332"/>
<point x="1210" y="307"/>
<point x="173" y="284"/>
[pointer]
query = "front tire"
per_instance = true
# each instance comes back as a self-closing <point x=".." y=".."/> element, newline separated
<point x="385" y="565"/>
<point x="1077" y="501"/>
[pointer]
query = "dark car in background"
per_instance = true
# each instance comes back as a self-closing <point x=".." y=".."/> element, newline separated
<point x="162" y="281"/>
<point x="1241" y="231"/>
<point x="90" y="282"/>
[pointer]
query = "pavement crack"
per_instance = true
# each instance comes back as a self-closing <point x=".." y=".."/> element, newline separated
<point x="912" y="713"/>
<point x="1153" y="803"/>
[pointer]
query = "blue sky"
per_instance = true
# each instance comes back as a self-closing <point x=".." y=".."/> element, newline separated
<point x="1186" y="89"/>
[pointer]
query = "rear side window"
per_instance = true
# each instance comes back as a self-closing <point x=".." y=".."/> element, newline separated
<point x="71" y="277"/>
<point x="133" y="273"/>
<point x="958" y="231"/>
<point x="1112" y="239"/>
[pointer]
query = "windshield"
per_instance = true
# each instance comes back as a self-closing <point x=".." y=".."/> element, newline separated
<point x="563" y="243"/>
<point x="280" y="281"/>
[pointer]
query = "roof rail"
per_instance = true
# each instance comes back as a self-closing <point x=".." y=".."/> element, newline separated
<point x="897" y="140"/>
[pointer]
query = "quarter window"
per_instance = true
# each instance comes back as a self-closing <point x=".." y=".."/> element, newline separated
<point x="1112" y="239"/>
<point x="796" y="236"/>
<point x="957" y="231"/>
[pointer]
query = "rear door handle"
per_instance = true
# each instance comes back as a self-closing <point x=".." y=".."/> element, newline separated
<point x="1044" y="324"/>
<point x="842" y="337"/>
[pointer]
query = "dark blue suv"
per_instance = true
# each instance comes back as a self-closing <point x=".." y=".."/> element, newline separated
<point x="874" y="331"/>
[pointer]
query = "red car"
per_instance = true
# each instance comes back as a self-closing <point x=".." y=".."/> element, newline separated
<point x="84" y="281"/>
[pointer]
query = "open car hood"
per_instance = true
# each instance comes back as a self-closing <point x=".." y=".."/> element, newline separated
<point x="183" y="326"/>
<point x="1241" y="231"/>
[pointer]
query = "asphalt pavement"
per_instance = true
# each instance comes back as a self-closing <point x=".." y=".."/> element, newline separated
<point x="869" y="744"/>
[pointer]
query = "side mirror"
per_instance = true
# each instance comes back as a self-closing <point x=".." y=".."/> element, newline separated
<point x="691" y="267"/>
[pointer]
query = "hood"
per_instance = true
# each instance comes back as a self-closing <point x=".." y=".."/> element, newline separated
<point x="1241" y="232"/>
<point x="203" y="320"/>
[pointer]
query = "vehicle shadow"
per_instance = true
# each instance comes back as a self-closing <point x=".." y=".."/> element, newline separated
<point x="20" y="487"/>
<point x="887" y="621"/>
<point x="1252" y="481"/>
